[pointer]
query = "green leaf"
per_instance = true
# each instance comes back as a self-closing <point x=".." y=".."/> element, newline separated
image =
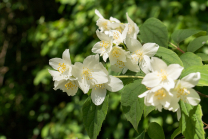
<point x="203" y="56"/>
<point x="153" y="30"/>
<point x="202" y="69"/>
<point x="155" y="131"/>
<point x="182" y="34"/>
<point x="132" y="105"/>
<point x="192" y="126"/>
<point x="185" y="107"/>
<point x="175" y="133"/>
<point x="93" y="116"/>
<point x="148" y="109"/>
<point x="190" y="59"/>
<point x="168" y="56"/>
<point x="141" y="136"/>
<point x="197" y="43"/>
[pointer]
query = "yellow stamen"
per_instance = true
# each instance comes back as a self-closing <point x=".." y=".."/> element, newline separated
<point x="61" y="68"/>
<point x="182" y="92"/>
<point x="160" y="94"/>
<point x="70" y="85"/>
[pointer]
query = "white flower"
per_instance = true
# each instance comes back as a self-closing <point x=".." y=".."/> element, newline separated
<point x="124" y="66"/>
<point x="99" y="90"/>
<point x="102" y="23"/>
<point x="104" y="46"/>
<point x="117" y="53"/>
<point x="183" y="89"/>
<point x="118" y="37"/>
<point x="141" y="54"/>
<point x="158" y="96"/>
<point x="68" y="86"/>
<point x="89" y="73"/>
<point x="63" y="67"/>
<point x="162" y="74"/>
<point x="133" y="29"/>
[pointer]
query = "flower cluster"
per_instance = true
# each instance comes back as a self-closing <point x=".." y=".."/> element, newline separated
<point x="118" y="42"/>
<point x="91" y="74"/>
<point x="165" y="91"/>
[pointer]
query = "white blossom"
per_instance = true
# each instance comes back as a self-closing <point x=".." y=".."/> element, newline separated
<point x="183" y="90"/>
<point x="62" y="66"/>
<point x="141" y="54"/>
<point x="68" y="86"/>
<point x="133" y="29"/>
<point x="104" y="46"/>
<point x="162" y="74"/>
<point x="158" y="96"/>
<point x="89" y="73"/>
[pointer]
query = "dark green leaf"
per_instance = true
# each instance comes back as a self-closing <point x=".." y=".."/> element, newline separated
<point x="153" y="30"/>
<point x="141" y="136"/>
<point x="148" y="109"/>
<point x="202" y="69"/>
<point x="182" y="34"/>
<point x="175" y="133"/>
<point x="203" y="56"/>
<point x="168" y="56"/>
<point x="132" y="105"/>
<point x="155" y="131"/>
<point x="192" y="126"/>
<point x="197" y="43"/>
<point x="93" y="116"/>
<point x="185" y="107"/>
<point x="190" y="59"/>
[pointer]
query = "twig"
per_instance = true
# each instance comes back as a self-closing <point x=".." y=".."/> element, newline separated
<point x="202" y="94"/>
<point x="127" y="76"/>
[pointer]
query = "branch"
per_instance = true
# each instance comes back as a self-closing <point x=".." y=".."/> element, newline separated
<point x="202" y="94"/>
<point x="128" y="76"/>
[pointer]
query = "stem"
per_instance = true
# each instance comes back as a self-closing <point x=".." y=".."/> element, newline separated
<point x="128" y="76"/>
<point x="202" y="94"/>
<point x="176" y="47"/>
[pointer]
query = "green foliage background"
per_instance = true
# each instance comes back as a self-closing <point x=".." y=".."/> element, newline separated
<point x="32" y="32"/>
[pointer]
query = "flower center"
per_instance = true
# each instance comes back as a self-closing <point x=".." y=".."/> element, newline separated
<point x="182" y="92"/>
<point x="139" y="55"/>
<point x="160" y="94"/>
<point x="116" y="52"/>
<point x="163" y="74"/>
<point x="99" y="86"/>
<point x="86" y="73"/>
<point x="105" y="24"/>
<point x="120" y="64"/>
<point x="62" y="68"/>
<point x="130" y="29"/>
<point x="70" y="85"/>
<point x="115" y="35"/>
<point x="104" y="44"/>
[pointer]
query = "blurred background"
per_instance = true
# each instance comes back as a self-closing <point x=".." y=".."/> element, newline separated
<point x="32" y="32"/>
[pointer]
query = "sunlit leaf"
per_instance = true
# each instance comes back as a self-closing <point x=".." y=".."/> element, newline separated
<point x="153" y="30"/>
<point x="132" y="105"/>
<point x="93" y="116"/>
<point x="190" y="59"/>
<point x="197" y="43"/>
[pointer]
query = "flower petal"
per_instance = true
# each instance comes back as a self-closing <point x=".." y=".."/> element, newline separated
<point x="54" y="62"/>
<point x="103" y="36"/>
<point x="84" y="85"/>
<point x="66" y="56"/>
<point x="192" y="78"/>
<point x="193" y="98"/>
<point x="150" y="49"/>
<point x="174" y="71"/>
<point x="143" y="94"/>
<point x="133" y="44"/>
<point x="151" y="80"/>
<point x="97" y="48"/>
<point x="145" y="64"/>
<point x="98" y="96"/>
<point x="114" y="84"/>
<point x="91" y="61"/>
<point x="105" y="56"/>
<point x="98" y="13"/>
<point x="157" y="64"/>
